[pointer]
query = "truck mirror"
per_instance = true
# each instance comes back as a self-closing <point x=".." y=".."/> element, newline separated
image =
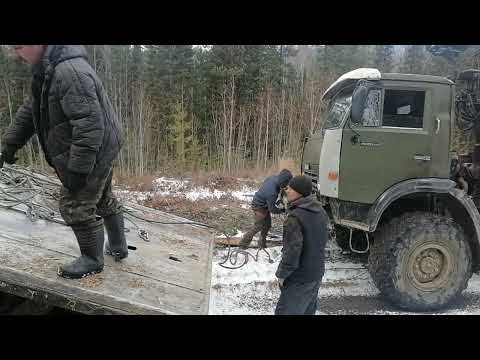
<point x="358" y="103"/>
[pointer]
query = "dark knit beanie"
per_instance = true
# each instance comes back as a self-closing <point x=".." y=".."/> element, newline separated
<point x="301" y="184"/>
<point x="284" y="177"/>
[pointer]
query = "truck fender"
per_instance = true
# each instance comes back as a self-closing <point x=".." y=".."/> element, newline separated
<point x="426" y="185"/>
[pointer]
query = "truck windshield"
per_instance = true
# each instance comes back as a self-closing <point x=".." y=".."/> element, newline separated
<point x="337" y="110"/>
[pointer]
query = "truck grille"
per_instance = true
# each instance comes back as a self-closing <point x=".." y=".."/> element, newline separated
<point x="313" y="175"/>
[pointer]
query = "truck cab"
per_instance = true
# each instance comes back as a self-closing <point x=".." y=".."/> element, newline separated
<point x="382" y="166"/>
<point x="404" y="134"/>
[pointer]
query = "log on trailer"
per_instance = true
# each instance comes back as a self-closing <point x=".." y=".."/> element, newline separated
<point x="168" y="273"/>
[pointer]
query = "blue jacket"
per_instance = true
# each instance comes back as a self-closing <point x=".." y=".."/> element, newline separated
<point x="266" y="196"/>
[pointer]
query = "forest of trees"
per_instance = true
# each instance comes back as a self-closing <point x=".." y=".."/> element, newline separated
<point x="220" y="107"/>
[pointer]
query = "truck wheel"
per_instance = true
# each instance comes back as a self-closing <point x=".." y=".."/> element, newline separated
<point x="420" y="261"/>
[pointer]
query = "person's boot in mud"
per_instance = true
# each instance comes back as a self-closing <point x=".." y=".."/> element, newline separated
<point x="116" y="245"/>
<point x="90" y="237"/>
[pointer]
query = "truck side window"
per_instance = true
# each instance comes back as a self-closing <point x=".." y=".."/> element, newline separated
<point x="403" y="108"/>
<point x="371" y="114"/>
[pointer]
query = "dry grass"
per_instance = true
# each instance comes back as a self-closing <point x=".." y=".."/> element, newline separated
<point x="220" y="181"/>
<point x="224" y="213"/>
<point x="211" y="179"/>
<point x="260" y="174"/>
<point x="136" y="183"/>
<point x="92" y="281"/>
<point x="214" y="180"/>
<point x="203" y="210"/>
<point x="289" y="164"/>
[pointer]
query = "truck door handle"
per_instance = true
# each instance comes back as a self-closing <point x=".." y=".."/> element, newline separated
<point x="422" y="157"/>
<point x="438" y="126"/>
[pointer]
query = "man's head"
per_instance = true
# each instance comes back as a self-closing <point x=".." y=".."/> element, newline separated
<point x="299" y="186"/>
<point x="32" y="54"/>
<point x="284" y="177"/>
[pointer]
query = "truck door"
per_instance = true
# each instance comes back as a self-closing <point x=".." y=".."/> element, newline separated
<point x="392" y="144"/>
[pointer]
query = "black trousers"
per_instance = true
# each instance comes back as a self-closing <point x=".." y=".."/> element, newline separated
<point x="298" y="298"/>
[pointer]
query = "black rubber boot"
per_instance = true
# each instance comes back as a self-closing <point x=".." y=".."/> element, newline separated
<point x="90" y="238"/>
<point x="117" y="244"/>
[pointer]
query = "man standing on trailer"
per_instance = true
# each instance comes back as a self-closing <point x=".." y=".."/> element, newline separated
<point x="80" y="135"/>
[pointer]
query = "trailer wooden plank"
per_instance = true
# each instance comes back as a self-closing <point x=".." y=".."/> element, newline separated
<point x="169" y="274"/>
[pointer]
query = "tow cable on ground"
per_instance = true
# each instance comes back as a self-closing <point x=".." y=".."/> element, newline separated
<point x="18" y="181"/>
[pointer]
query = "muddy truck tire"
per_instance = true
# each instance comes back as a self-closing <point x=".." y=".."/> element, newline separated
<point x="420" y="261"/>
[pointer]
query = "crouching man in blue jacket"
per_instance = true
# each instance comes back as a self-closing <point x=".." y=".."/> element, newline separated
<point x="263" y="204"/>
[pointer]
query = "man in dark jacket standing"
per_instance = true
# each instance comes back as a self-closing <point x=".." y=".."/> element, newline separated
<point x="80" y="136"/>
<point x="305" y="235"/>
<point x="263" y="204"/>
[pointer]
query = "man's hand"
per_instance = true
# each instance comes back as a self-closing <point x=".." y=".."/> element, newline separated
<point x="280" y="282"/>
<point x="281" y="202"/>
<point x="75" y="181"/>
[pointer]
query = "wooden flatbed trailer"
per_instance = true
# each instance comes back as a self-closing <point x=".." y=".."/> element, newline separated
<point x="168" y="273"/>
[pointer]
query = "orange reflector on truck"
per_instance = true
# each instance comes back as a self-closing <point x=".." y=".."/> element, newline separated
<point x="333" y="175"/>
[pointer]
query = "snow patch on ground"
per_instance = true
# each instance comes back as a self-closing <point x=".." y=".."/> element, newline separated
<point x="474" y="284"/>
<point x="239" y="234"/>
<point x="137" y="196"/>
<point x="183" y="188"/>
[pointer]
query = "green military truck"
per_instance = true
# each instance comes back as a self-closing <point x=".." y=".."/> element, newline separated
<point x="384" y="168"/>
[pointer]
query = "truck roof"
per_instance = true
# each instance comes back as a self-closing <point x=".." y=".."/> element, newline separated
<point x="374" y="75"/>
<point x="417" y="77"/>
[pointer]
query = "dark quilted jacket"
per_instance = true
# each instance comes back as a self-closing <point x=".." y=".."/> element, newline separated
<point x="70" y="112"/>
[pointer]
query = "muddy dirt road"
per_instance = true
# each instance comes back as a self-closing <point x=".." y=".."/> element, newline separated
<point x="347" y="288"/>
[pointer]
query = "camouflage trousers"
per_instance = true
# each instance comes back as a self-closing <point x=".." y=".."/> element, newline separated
<point x="95" y="199"/>
<point x="263" y="223"/>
